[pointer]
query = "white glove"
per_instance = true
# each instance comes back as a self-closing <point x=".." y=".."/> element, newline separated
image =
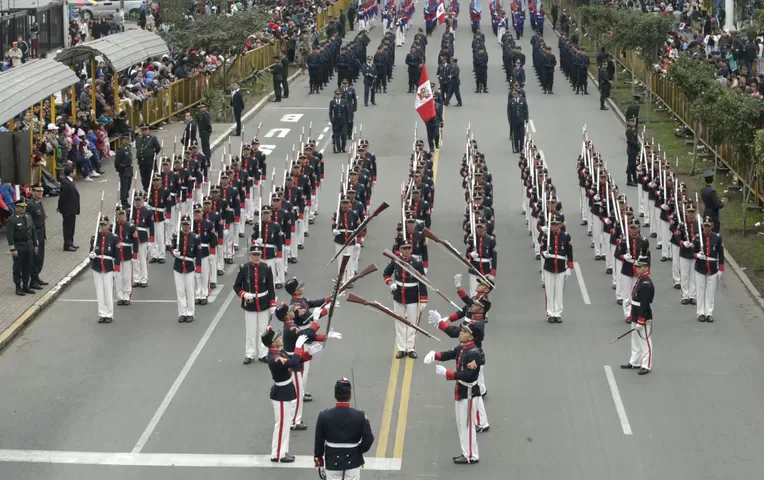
<point x="545" y="229"/>
<point x="273" y="310"/>
<point x="639" y="327"/>
<point x="335" y="232"/>
<point x="430" y="357"/>
<point x="664" y="207"/>
<point x="357" y="246"/>
<point x="197" y="276"/>
<point x="393" y="286"/>
<point x="701" y="256"/>
<point x="176" y="253"/>
<point x="607" y="221"/>
<point x="651" y="185"/>
<point x="628" y="258"/>
<point x="687" y="244"/>
<point x="434" y="317"/>
<point x="225" y="232"/>
<point x="719" y="274"/>
<point x="474" y="255"/>
<point x="543" y="254"/>
<point x="458" y="280"/>
<point x="568" y="273"/>
<point x="91" y="255"/>
<point x="423" y="306"/>
<point x="440" y="370"/>
<point x="597" y="198"/>
<point x="301" y="341"/>
<point x="333" y="334"/>
<point x="490" y="277"/>
<point x="316" y="313"/>
<point x="425" y="270"/>
<point x="315" y="347"/>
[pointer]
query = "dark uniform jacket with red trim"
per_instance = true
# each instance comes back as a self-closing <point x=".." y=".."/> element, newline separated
<point x="241" y="181"/>
<point x="128" y="241"/>
<point x="224" y="210"/>
<point x="346" y="224"/>
<point x="270" y="234"/>
<point x="469" y="360"/>
<point x="468" y="301"/>
<point x="559" y="252"/>
<point x="217" y="221"/>
<point x="170" y="182"/>
<point x="231" y="195"/>
<point x="257" y="279"/>
<point x="343" y="435"/>
<point x="636" y="247"/>
<point x="292" y="332"/>
<point x="713" y="249"/>
<point x="283" y="218"/>
<point x="409" y="289"/>
<point x="190" y="250"/>
<point x="160" y="203"/>
<point x="107" y="253"/>
<point x="281" y="365"/>
<point x="422" y="211"/>
<point x="307" y="305"/>
<point x="208" y="240"/>
<point x="641" y="297"/>
<point x="143" y="219"/>
<point x="487" y="260"/>
<point x="687" y="233"/>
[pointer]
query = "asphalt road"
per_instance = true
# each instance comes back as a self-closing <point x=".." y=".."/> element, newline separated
<point x="72" y="387"/>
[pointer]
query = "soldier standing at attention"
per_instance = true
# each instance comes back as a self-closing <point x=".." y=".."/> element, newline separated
<point x="36" y="210"/>
<point x="254" y="285"/>
<point x="104" y="261"/>
<point x="205" y="129"/>
<point x="712" y="203"/>
<point x="453" y="84"/>
<point x="187" y="268"/>
<point x="343" y="435"/>
<point x="632" y="150"/>
<point x="409" y="298"/>
<point x="708" y="249"/>
<point x="123" y="164"/>
<point x="517" y="114"/>
<point x="277" y="70"/>
<point x="22" y="240"/>
<point x="604" y="80"/>
<point x="338" y="116"/>
<point x="642" y="296"/>
<point x="146" y="148"/>
<point x="632" y="111"/>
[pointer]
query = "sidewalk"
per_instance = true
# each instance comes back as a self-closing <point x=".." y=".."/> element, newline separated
<point x="61" y="267"/>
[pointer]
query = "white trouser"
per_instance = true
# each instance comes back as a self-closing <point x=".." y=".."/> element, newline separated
<point x="159" y="245"/>
<point x="187" y="205"/>
<point x="616" y="276"/>
<point x="590" y="221"/>
<point x="627" y="285"/>
<point x="675" y="274"/>
<point x="184" y="291"/>
<point x="465" y="425"/>
<point x="283" y="413"/>
<point x="293" y="250"/>
<point x="104" y="287"/>
<point x="644" y="204"/>
<point x="242" y="224"/>
<point x="597" y="236"/>
<point x="583" y="203"/>
<point x="554" y="287"/>
<point x="249" y="207"/>
<point x="213" y="261"/>
<point x="400" y="37"/>
<point x="300" y="232"/>
<point x="687" y="272"/>
<point x="655" y="214"/>
<point x="202" y="290"/>
<point x="610" y="257"/>
<point x="228" y="236"/>
<point x="705" y="286"/>
<point x="280" y="272"/>
<point x="542" y="261"/>
<point x="305" y="372"/>
<point x="482" y="416"/>
<point x="664" y="238"/>
<point x="501" y="33"/>
<point x="306" y="216"/>
<point x="299" y="389"/>
<point x="198" y="194"/>
<point x="355" y="255"/>
<point x="220" y="257"/>
<point x="642" y="348"/>
<point x="405" y="336"/>
<point x="141" y="264"/>
<point x="352" y="474"/>
<point x="233" y="235"/>
<point x="124" y="280"/>
<point x="535" y="236"/>
<point x="349" y="268"/>
<point x="255" y="325"/>
<point x="271" y="262"/>
<point x="524" y="205"/>
<point x="169" y="225"/>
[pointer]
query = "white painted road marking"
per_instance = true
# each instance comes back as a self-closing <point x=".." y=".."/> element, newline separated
<point x="267" y="149"/>
<point x="320" y="137"/>
<point x="281" y="132"/>
<point x="581" y="284"/>
<point x="182" y="376"/>
<point x="292" y="117"/>
<point x="326" y="129"/>
<point x="617" y="400"/>
<point x="176" y="460"/>
<point x="531" y="126"/>
<point x="93" y="300"/>
<point x="214" y="293"/>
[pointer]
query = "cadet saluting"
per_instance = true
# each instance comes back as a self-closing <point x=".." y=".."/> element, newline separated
<point x="343" y="435"/>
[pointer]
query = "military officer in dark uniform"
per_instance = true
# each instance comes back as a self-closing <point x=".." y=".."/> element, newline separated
<point x="604" y="80"/>
<point x="517" y="114"/>
<point x="369" y="72"/>
<point x="146" y="148"/>
<point x="205" y="130"/>
<point x="444" y="75"/>
<point x="36" y="210"/>
<point x="632" y="150"/>
<point x="711" y="202"/>
<point x="549" y="62"/>
<point x="414" y="63"/>
<point x="22" y="240"/>
<point x="314" y="70"/>
<point x="338" y="116"/>
<point x="632" y="111"/>
<point x="123" y="164"/>
<point x="348" y="94"/>
<point x="343" y="435"/>
<point x="454" y="84"/>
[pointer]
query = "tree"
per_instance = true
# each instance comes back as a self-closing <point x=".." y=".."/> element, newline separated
<point x="599" y="21"/>
<point x="173" y="12"/>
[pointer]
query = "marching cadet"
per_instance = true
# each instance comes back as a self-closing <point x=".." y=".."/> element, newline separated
<point x="240" y="181"/>
<point x="469" y="361"/>
<point x="231" y="214"/>
<point x="187" y="269"/>
<point x="343" y="435"/>
<point x="144" y="224"/>
<point x="127" y="236"/>
<point x="36" y="211"/>
<point x="215" y="258"/>
<point x="630" y="248"/>
<point x="687" y="233"/>
<point x="254" y="285"/>
<point x="484" y="289"/>
<point x="709" y="265"/>
<point x="342" y="228"/>
<point x="641" y="315"/>
<point x="283" y="393"/>
<point x="170" y="182"/>
<point x="267" y="235"/>
<point x="417" y="240"/>
<point x="420" y="208"/>
<point x="360" y="210"/>
<point x="22" y="241"/>
<point x="597" y="198"/>
<point x="302" y="181"/>
<point x="160" y="204"/>
<point x="283" y="218"/>
<point x="517" y="114"/>
<point x="220" y="206"/>
<point x="104" y="262"/>
<point x="481" y="253"/>
<point x="205" y="232"/>
<point x="557" y="251"/>
<point x="293" y="194"/>
<point x="409" y="299"/>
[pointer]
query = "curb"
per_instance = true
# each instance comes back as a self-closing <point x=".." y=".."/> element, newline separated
<point x="727" y="256"/>
<point x="18" y="325"/>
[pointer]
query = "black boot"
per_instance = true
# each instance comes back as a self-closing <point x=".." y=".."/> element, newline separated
<point x="19" y="290"/>
<point x="27" y="289"/>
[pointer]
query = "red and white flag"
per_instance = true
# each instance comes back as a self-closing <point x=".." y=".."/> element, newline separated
<point x="424" y="101"/>
<point x="440" y="13"/>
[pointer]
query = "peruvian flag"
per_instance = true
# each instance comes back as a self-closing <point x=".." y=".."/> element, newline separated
<point x="440" y="13"/>
<point x="424" y="101"/>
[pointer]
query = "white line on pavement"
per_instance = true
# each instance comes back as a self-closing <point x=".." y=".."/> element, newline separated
<point x="181" y="376"/>
<point x="320" y="137"/>
<point x="326" y="129"/>
<point x="581" y="284"/>
<point x="215" y="293"/>
<point x="93" y="300"/>
<point x="280" y="107"/>
<point x="617" y="400"/>
<point x="326" y="143"/>
<point x="175" y="460"/>
<point x="531" y="126"/>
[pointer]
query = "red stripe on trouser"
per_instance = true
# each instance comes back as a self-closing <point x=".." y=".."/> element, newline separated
<point x="649" y="350"/>
<point x="296" y="381"/>
<point x="469" y="423"/>
<point x="281" y="429"/>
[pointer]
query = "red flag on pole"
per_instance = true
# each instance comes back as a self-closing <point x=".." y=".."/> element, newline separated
<point x="424" y="101"/>
<point x="440" y="13"/>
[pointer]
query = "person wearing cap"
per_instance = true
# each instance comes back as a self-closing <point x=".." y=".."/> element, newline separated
<point x="369" y="73"/>
<point x="105" y="263"/>
<point x="615" y="227"/>
<point x="664" y="201"/>
<point x="312" y="168"/>
<point x="254" y="285"/>
<point x="283" y="393"/>
<point x="711" y="202"/>
<point x="267" y="235"/>
<point x="282" y="217"/>
<point x="123" y="164"/>
<point x="237" y="102"/>
<point x="630" y="248"/>
<point x="409" y="298"/>
<point x="36" y="211"/>
<point x="687" y="232"/>
<point x="343" y="227"/>
<point x="343" y="435"/>
<point x="294" y="201"/>
<point x="645" y="179"/>
<point x="632" y="150"/>
<point x="469" y="361"/>
<point x="674" y="243"/>
<point x="338" y="116"/>
<point x="205" y="129"/>
<point x="557" y="252"/>
<point x="641" y="317"/>
<point x="709" y="266"/>
<point x="482" y="255"/>
<point x="187" y="268"/>
<point x="240" y="181"/>
<point x="205" y="230"/>
<point x="416" y="238"/>
<point x="22" y="241"/>
<point x="147" y="147"/>
<point x="169" y="180"/>
<point x="160" y="206"/>
<point x="198" y="166"/>
<point x="301" y="173"/>
<point x="230" y="195"/>
<point x="127" y="237"/>
<point x="143" y="219"/>
<point x="632" y="110"/>
<point x="216" y="250"/>
<point x="189" y="130"/>
<point x="517" y="114"/>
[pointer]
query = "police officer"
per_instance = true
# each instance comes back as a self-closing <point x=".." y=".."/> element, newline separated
<point x="254" y="285"/>
<point x="709" y="266"/>
<point x="641" y="317"/>
<point x="36" y="210"/>
<point x="146" y="148"/>
<point x="22" y="241"/>
<point x="343" y="435"/>
<point x="711" y="202"/>
<point x="517" y="114"/>
<point x="104" y="262"/>
<point x="205" y="129"/>
<point x="338" y="116"/>
<point x="123" y="164"/>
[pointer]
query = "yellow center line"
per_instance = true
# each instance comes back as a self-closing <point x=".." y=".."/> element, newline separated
<point x="403" y="410"/>
<point x="387" y="411"/>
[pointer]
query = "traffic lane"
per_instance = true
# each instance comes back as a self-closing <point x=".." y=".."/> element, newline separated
<point x="39" y="471"/>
